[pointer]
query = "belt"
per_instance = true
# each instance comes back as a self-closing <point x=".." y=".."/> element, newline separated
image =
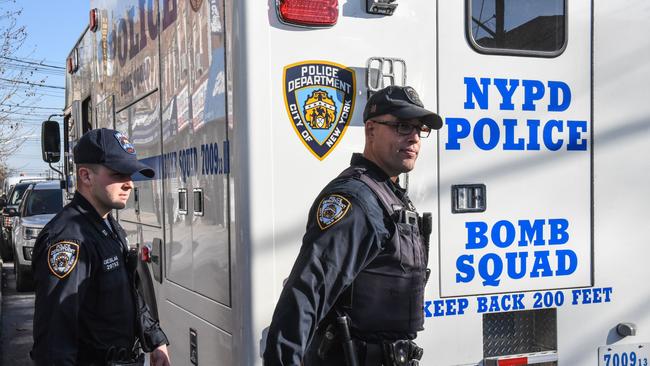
<point x="389" y="353"/>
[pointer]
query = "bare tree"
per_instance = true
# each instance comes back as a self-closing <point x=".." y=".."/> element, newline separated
<point x="18" y="84"/>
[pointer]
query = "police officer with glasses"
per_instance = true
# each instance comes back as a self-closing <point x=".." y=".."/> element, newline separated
<point x="88" y="310"/>
<point x="355" y="295"/>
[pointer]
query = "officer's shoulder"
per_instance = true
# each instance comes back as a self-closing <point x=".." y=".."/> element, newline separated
<point x="68" y="224"/>
<point x="354" y="190"/>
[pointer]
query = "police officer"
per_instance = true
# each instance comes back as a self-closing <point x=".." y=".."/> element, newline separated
<point x="88" y="310"/>
<point x="356" y="291"/>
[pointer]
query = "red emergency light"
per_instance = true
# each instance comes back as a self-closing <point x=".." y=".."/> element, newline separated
<point x="145" y="254"/>
<point x="93" y="20"/>
<point x="73" y="62"/>
<point x="309" y="13"/>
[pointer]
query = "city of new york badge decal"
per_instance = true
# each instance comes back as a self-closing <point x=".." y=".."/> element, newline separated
<point x="319" y="97"/>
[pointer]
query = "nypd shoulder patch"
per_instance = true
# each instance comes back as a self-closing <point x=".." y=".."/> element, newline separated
<point x="331" y="209"/>
<point x="62" y="258"/>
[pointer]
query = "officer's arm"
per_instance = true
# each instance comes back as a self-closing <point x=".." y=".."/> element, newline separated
<point x="151" y="335"/>
<point x="61" y="272"/>
<point x="331" y="256"/>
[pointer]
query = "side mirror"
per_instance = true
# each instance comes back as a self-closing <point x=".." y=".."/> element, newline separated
<point x="11" y="212"/>
<point x="51" y="141"/>
<point x="3" y="202"/>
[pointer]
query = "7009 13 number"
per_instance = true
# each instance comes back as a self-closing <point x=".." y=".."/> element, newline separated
<point x="624" y="359"/>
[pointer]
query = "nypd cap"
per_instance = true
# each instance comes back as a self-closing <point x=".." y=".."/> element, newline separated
<point x="402" y="102"/>
<point x="111" y="149"/>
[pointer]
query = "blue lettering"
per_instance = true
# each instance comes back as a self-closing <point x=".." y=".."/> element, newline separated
<point x="510" y="143"/>
<point x="476" y="231"/>
<point x="559" y="234"/>
<point x="464" y="266"/>
<point x="462" y="305"/>
<point x="567" y="262"/>
<point x="458" y="128"/>
<point x="555" y="87"/>
<point x="531" y="232"/>
<point x="541" y="265"/>
<point x="511" y="259"/>
<point x="449" y="304"/>
<point x="479" y="134"/>
<point x="490" y="278"/>
<point x="533" y="136"/>
<point x="427" y="313"/>
<point x="473" y="90"/>
<point x="548" y="134"/>
<point x="506" y="93"/>
<point x="533" y="91"/>
<point x="517" y="303"/>
<point x="575" y="140"/>
<point x="481" y="304"/>
<point x="509" y="231"/>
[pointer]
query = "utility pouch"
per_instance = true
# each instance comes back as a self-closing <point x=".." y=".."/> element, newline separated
<point x="326" y="342"/>
<point x="402" y="353"/>
<point x="132" y="261"/>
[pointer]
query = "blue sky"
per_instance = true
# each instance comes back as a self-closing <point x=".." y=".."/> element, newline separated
<point x="53" y="27"/>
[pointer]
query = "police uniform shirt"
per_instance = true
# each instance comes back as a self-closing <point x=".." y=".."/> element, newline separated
<point x="85" y="303"/>
<point x="335" y="249"/>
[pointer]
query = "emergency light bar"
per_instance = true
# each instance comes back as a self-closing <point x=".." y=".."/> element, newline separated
<point x="308" y="13"/>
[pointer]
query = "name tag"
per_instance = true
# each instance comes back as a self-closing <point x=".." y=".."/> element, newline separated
<point x="111" y="263"/>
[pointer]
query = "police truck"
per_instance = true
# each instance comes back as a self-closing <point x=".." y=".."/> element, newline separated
<point x="537" y="182"/>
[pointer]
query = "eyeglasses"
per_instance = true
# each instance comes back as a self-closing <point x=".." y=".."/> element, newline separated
<point x="405" y="128"/>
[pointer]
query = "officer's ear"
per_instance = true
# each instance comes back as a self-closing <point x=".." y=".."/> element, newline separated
<point x="369" y="129"/>
<point x="84" y="174"/>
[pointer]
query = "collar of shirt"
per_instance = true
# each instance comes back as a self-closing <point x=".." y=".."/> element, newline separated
<point x="378" y="174"/>
<point x="88" y="211"/>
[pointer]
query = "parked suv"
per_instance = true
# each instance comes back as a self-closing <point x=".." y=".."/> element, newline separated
<point x="41" y="202"/>
<point x="10" y="210"/>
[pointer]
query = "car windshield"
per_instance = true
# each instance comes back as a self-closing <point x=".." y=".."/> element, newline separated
<point x="17" y="194"/>
<point x="44" y="201"/>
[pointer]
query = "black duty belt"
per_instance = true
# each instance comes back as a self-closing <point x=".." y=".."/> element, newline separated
<point x="357" y="352"/>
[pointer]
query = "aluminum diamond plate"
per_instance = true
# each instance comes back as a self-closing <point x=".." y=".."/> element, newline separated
<point x="519" y="332"/>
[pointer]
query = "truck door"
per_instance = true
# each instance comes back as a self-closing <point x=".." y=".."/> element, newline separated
<point x="515" y="154"/>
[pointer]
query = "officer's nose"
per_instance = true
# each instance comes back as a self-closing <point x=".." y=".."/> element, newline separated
<point x="414" y="136"/>
<point x="128" y="185"/>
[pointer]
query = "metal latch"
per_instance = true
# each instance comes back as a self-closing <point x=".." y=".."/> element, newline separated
<point x="384" y="71"/>
<point x="194" y="345"/>
<point x="382" y="7"/>
<point x="468" y="198"/>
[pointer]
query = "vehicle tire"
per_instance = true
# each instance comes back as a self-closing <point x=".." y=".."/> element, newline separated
<point x="23" y="281"/>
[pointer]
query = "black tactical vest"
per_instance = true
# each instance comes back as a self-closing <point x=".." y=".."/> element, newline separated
<point x="388" y="295"/>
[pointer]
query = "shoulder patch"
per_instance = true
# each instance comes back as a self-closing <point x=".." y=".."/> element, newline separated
<point x="331" y="209"/>
<point x="62" y="258"/>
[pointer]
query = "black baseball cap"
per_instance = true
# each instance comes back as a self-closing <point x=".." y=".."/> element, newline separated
<point x="111" y="149"/>
<point x="402" y="102"/>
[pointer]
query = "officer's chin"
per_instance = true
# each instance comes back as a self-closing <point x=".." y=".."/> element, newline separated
<point x="119" y="205"/>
